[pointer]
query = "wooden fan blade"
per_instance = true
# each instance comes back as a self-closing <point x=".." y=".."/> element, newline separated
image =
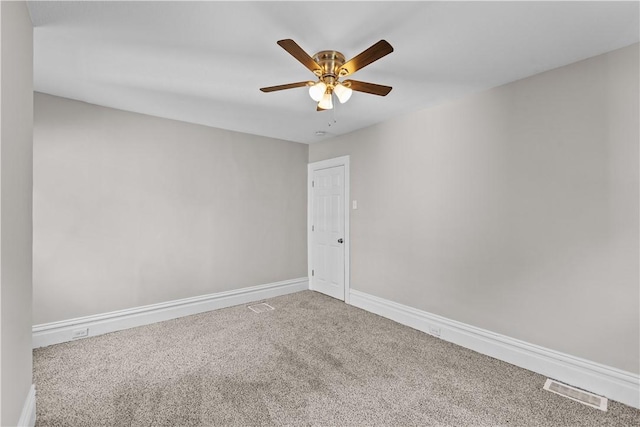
<point x="283" y="87"/>
<point x="297" y="52"/>
<point x="375" y="52"/>
<point x="371" y="88"/>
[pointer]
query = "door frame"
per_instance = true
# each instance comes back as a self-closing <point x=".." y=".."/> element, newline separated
<point x="325" y="164"/>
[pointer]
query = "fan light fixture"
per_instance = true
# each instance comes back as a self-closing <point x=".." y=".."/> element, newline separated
<point x="324" y="98"/>
<point x="321" y="93"/>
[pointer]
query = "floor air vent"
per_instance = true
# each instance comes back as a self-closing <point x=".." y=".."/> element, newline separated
<point x="576" y="394"/>
<point x="260" y="308"/>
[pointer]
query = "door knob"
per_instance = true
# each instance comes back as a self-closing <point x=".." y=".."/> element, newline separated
<point x="340" y="240"/>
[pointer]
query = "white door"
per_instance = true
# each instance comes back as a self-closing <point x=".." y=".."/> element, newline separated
<point x="328" y="231"/>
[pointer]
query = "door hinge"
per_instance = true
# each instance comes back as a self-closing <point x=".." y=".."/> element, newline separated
<point x="313" y="228"/>
<point x="313" y="273"/>
<point x="313" y="183"/>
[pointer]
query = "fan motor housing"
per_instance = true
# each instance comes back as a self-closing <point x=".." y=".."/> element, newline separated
<point x="331" y="61"/>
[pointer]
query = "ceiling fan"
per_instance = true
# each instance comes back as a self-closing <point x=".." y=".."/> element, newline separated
<point x="330" y="66"/>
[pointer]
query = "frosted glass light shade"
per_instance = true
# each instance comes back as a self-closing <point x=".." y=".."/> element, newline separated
<point x="342" y="92"/>
<point x="317" y="91"/>
<point x="326" y="103"/>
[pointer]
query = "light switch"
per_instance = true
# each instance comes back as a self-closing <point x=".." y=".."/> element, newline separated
<point x="355" y="204"/>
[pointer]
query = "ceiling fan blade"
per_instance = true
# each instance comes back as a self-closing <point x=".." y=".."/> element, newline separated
<point x="375" y="52"/>
<point x="298" y="53"/>
<point x="371" y="88"/>
<point x="283" y="87"/>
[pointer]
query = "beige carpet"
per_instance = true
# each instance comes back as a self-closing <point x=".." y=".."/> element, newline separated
<point x="313" y="361"/>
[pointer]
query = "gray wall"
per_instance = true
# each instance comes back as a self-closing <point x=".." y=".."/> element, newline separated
<point x="132" y="210"/>
<point x="16" y="124"/>
<point x="514" y="210"/>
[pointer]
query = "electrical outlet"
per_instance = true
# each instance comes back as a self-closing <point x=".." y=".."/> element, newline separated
<point x="80" y="333"/>
<point x="434" y="330"/>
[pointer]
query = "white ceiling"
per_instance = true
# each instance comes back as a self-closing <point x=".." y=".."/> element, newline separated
<point x="203" y="62"/>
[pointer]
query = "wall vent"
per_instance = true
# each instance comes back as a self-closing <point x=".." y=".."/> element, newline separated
<point x="576" y="394"/>
<point x="260" y="308"/>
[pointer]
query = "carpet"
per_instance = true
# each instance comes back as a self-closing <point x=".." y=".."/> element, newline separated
<point x="313" y="361"/>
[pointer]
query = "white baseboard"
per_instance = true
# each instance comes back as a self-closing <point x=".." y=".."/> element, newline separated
<point x="58" y="332"/>
<point x="600" y="379"/>
<point x="28" y="415"/>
